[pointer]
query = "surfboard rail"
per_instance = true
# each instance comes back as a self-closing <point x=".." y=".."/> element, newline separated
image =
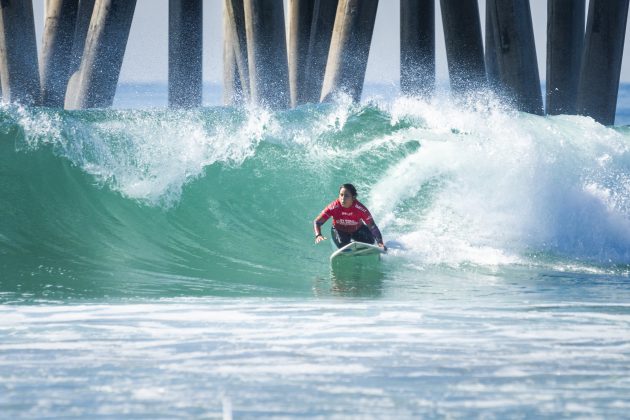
<point x="355" y="249"/>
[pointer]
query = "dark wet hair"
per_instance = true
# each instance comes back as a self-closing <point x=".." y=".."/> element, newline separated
<point x="350" y="188"/>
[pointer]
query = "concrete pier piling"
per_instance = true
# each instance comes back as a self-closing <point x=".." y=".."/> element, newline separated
<point x="417" y="47"/>
<point x="235" y="23"/>
<point x="232" y="90"/>
<point x="19" y="73"/>
<point x="601" y="59"/>
<point x="492" y="66"/>
<point x="324" y="12"/>
<point x="57" y="50"/>
<point x="565" y="35"/>
<point x="267" y="53"/>
<point x="82" y="25"/>
<point x="300" y="20"/>
<point x="349" y="48"/>
<point x="464" y="47"/>
<point x="185" y="40"/>
<point x="516" y="54"/>
<point x="94" y="84"/>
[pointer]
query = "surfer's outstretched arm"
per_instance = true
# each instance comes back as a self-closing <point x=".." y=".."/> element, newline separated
<point x="377" y="235"/>
<point x="317" y="227"/>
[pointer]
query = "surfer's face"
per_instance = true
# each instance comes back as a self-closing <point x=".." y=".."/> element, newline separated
<point x="345" y="197"/>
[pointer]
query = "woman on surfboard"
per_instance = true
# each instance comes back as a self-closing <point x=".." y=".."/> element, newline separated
<point x="351" y="220"/>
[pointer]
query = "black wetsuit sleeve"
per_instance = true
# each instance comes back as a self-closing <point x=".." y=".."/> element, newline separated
<point x="376" y="233"/>
<point x="317" y="226"/>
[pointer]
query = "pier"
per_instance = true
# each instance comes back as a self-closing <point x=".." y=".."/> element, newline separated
<point x="283" y="54"/>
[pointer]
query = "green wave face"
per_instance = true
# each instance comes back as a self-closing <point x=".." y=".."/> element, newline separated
<point x="220" y="201"/>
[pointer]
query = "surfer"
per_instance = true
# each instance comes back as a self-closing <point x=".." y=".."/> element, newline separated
<point x="351" y="220"/>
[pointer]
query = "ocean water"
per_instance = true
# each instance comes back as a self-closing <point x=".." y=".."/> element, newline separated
<point x="160" y="263"/>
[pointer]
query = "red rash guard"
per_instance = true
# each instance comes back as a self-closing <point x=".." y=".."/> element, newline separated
<point x="346" y="219"/>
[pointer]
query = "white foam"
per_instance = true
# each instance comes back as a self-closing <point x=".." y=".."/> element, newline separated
<point x="304" y="355"/>
<point x="496" y="185"/>
<point x="148" y="155"/>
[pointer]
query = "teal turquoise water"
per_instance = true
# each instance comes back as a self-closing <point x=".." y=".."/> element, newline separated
<point x="160" y="263"/>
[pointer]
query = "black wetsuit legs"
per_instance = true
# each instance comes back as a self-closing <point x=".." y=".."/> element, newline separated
<point x="342" y="238"/>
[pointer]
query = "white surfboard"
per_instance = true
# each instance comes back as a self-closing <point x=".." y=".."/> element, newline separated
<point x="355" y="249"/>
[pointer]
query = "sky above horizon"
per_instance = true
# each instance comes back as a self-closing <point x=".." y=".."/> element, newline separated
<point x="146" y="57"/>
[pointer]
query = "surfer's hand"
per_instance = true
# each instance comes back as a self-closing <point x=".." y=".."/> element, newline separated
<point x="319" y="238"/>
<point x="382" y="245"/>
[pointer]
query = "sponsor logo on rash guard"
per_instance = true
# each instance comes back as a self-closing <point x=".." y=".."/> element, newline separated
<point x="346" y="222"/>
